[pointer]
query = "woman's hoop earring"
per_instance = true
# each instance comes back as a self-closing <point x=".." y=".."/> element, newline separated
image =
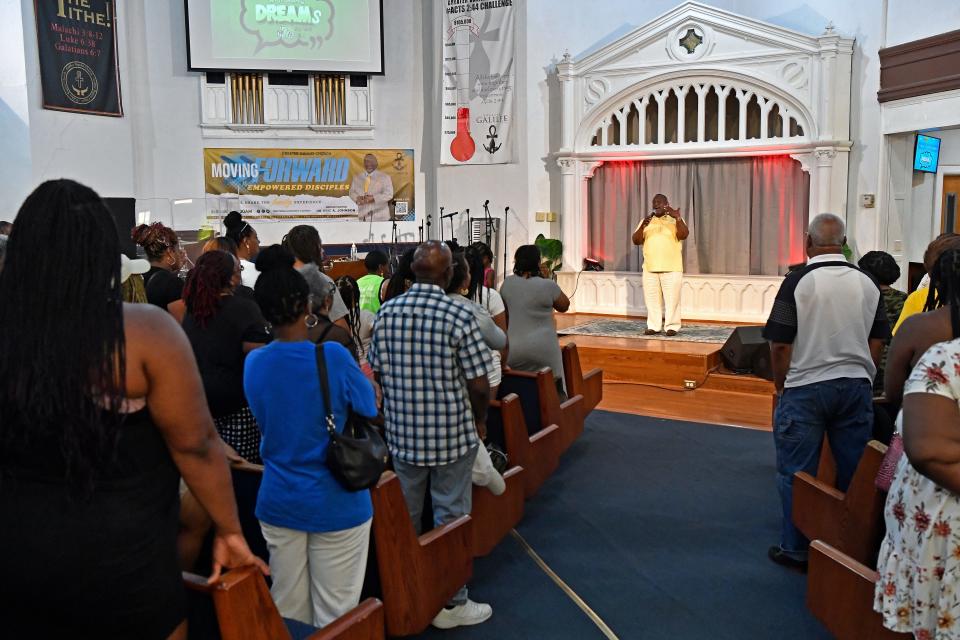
<point x="311" y="320"/>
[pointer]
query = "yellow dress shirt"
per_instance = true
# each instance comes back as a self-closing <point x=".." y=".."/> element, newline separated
<point x="911" y="306"/>
<point x="662" y="251"/>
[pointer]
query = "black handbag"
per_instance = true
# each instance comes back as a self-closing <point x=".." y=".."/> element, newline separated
<point x="358" y="456"/>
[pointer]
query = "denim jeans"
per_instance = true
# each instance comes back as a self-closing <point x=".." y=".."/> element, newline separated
<point x="843" y="410"/>
<point x="451" y="490"/>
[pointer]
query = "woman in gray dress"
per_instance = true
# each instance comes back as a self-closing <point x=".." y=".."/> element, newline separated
<point x="531" y="300"/>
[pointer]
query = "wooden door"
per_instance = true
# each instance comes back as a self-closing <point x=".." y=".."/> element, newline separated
<point x="950" y="204"/>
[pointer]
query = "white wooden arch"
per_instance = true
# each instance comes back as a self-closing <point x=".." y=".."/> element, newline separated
<point x="791" y="95"/>
<point x="640" y="115"/>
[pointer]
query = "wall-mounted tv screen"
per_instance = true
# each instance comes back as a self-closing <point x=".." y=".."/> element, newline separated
<point x="332" y="36"/>
<point x="926" y="155"/>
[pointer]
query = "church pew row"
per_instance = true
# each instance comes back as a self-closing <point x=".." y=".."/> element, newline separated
<point x="538" y="453"/>
<point x="541" y="403"/>
<point x="418" y="575"/>
<point x="851" y="522"/>
<point x="244" y="610"/>
<point x="589" y="386"/>
<point x="492" y="517"/>
<point x="840" y="595"/>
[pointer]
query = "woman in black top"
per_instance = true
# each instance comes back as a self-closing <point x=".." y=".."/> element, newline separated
<point x="163" y="250"/>
<point x="93" y="433"/>
<point x="222" y="329"/>
<point x="227" y="245"/>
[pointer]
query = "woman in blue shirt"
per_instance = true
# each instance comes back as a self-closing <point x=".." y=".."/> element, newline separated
<point x="317" y="531"/>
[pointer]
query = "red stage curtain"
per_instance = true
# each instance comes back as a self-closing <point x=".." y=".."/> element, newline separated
<point x="746" y="215"/>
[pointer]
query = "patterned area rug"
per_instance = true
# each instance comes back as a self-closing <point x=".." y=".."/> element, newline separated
<point x="690" y="332"/>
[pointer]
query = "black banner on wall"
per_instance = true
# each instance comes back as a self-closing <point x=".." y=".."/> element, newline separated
<point x="78" y="56"/>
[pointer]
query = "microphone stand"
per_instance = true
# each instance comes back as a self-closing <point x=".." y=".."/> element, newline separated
<point x="449" y="216"/>
<point x="506" y="220"/>
<point x="441" y="225"/>
<point x="429" y="222"/>
<point x="488" y="223"/>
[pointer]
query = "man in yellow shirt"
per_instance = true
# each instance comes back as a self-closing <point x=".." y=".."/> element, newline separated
<point x="661" y="234"/>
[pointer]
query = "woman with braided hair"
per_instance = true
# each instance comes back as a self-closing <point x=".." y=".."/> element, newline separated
<point x="918" y="561"/>
<point x="95" y="434"/>
<point x="222" y="329"/>
<point x="359" y="320"/>
<point x="922" y="330"/>
<point x="162" y="247"/>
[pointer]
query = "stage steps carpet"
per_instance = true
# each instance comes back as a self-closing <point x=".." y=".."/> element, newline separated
<point x="662" y="528"/>
<point x="690" y="332"/>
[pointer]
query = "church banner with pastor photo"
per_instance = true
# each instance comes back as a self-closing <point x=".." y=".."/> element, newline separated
<point x="77" y="46"/>
<point x="310" y="185"/>
<point x="478" y="75"/>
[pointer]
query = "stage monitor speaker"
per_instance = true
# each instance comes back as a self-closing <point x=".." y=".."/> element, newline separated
<point x="746" y="351"/>
<point x="124" y="215"/>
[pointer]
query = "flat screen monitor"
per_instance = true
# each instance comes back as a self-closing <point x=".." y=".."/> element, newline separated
<point x="328" y="36"/>
<point x="926" y="155"/>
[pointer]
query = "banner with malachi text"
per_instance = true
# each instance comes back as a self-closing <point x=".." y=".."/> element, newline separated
<point x="310" y="185"/>
<point x="77" y="44"/>
<point x="478" y="75"/>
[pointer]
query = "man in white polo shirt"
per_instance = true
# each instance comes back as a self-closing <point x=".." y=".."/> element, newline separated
<point x="826" y="331"/>
<point x="662" y="233"/>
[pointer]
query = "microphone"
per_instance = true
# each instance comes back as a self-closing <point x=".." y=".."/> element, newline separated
<point x="449" y="215"/>
<point x="486" y="203"/>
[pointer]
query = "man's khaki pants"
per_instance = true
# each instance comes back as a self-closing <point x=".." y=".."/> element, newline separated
<point x="661" y="293"/>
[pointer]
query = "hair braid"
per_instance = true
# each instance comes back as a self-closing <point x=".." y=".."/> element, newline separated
<point x="350" y="293"/>
<point x="55" y="389"/>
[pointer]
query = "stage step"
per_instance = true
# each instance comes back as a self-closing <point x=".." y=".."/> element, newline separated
<point x="650" y="377"/>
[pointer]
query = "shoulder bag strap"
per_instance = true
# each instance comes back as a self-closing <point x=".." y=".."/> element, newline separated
<point x="323" y="334"/>
<point x="325" y="388"/>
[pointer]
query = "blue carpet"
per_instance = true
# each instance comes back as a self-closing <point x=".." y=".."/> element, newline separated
<point x="662" y="527"/>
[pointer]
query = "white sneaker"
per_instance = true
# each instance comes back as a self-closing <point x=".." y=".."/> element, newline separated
<point x="468" y="613"/>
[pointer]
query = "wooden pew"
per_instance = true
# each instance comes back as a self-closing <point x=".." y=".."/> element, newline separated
<point x="245" y="611"/>
<point x="541" y="403"/>
<point x="418" y="576"/>
<point x="590" y="386"/>
<point x="852" y="522"/>
<point x="538" y="454"/>
<point x="840" y="595"/>
<point x="492" y="517"/>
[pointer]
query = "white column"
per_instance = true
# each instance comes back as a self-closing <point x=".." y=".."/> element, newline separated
<point x="604" y="131"/>
<point x="641" y="105"/>
<point x="765" y="106"/>
<point x="722" y="93"/>
<point x="744" y="97"/>
<point x="824" y="158"/>
<point x="702" y="91"/>
<point x="570" y="214"/>
<point x="567" y="99"/>
<point x="681" y="112"/>
<point x="661" y="97"/>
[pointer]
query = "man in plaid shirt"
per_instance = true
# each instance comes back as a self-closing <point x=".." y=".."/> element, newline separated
<point x="431" y="361"/>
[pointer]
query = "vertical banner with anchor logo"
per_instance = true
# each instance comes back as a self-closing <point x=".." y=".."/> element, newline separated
<point x="478" y="74"/>
<point x="77" y="43"/>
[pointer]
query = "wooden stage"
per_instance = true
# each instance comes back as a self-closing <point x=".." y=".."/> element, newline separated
<point x="650" y="377"/>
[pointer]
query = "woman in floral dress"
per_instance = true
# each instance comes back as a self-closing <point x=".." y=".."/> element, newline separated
<point x="919" y="565"/>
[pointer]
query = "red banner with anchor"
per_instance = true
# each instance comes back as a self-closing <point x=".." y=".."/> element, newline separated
<point x="77" y="44"/>
<point x="479" y="72"/>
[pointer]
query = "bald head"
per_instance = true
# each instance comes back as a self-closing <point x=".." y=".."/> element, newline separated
<point x="433" y="263"/>
<point x="826" y="234"/>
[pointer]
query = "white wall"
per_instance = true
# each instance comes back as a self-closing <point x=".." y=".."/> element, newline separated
<point x="909" y="20"/>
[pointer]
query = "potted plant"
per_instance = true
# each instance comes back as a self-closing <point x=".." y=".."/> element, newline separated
<point x="551" y="254"/>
